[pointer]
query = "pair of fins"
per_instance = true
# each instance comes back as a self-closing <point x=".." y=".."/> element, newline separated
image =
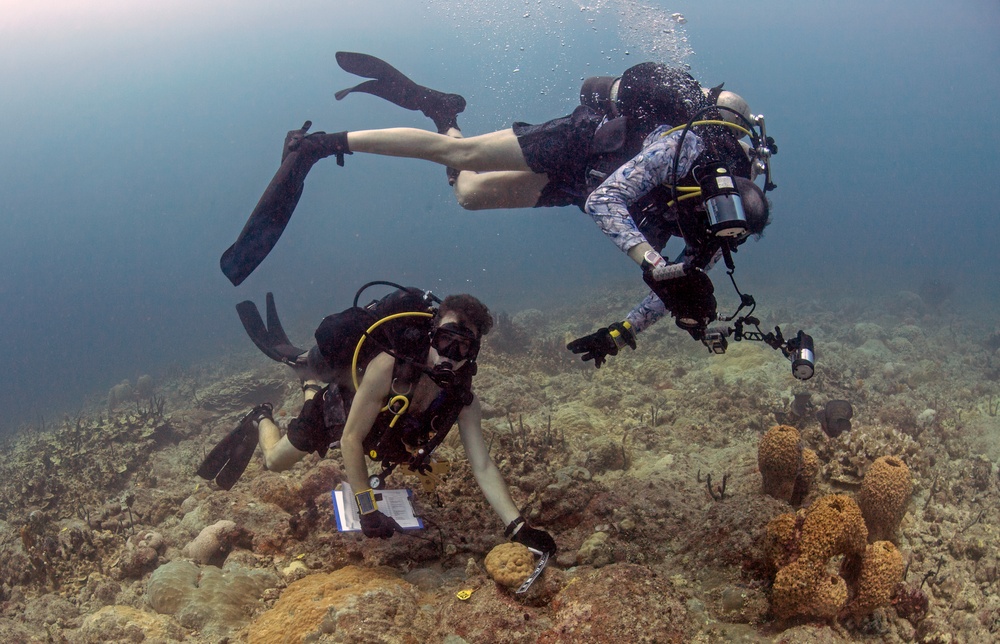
<point x="228" y="460"/>
<point x="268" y="220"/>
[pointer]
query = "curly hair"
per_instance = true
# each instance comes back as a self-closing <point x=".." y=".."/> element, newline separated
<point x="469" y="310"/>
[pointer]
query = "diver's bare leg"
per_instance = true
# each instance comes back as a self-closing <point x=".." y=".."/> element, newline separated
<point x="484" y="153"/>
<point x="279" y="453"/>
<point x="488" y="190"/>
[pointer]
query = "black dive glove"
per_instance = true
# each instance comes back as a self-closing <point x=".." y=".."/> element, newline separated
<point x="520" y="532"/>
<point x="687" y="292"/>
<point x="604" y="342"/>
<point x="375" y="524"/>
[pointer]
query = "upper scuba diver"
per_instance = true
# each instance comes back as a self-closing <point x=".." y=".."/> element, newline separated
<point x="648" y="155"/>
<point x="418" y="356"/>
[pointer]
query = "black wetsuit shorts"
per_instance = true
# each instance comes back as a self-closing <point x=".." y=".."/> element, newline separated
<point x="321" y="421"/>
<point x="560" y="149"/>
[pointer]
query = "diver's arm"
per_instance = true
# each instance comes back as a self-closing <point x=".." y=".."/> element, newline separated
<point x="367" y="403"/>
<point x="483" y="468"/>
<point x="608" y="205"/>
<point x="647" y="313"/>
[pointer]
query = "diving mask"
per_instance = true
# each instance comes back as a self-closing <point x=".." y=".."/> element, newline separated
<point x="455" y="342"/>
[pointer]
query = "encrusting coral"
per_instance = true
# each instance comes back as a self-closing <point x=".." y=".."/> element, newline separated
<point x="786" y="468"/>
<point x="885" y="491"/>
<point x="509" y="564"/>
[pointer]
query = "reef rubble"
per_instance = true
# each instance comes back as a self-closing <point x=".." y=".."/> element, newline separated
<point x="646" y="472"/>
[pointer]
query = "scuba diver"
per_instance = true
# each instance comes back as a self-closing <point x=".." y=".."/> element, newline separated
<point x="418" y="356"/>
<point x="648" y="155"/>
<point x="556" y="163"/>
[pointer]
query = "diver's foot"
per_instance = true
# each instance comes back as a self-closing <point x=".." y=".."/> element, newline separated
<point x="317" y="145"/>
<point x="259" y="413"/>
<point x="441" y="108"/>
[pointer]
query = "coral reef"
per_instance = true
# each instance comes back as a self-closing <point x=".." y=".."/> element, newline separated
<point x="207" y="598"/>
<point x="885" y="491"/>
<point x="358" y="604"/>
<point x="644" y="607"/>
<point x="214" y="543"/>
<point x="97" y="509"/>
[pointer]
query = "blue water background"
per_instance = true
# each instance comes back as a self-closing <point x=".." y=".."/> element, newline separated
<point x="135" y="138"/>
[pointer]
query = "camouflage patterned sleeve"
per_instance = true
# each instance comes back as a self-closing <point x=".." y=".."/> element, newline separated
<point x="608" y="204"/>
<point x="647" y="313"/>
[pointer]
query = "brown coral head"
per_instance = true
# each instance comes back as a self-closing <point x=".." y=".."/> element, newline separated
<point x="509" y="564"/>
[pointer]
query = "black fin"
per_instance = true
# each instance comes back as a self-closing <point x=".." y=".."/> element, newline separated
<point x="268" y="219"/>
<point x="270" y="339"/>
<point x="229" y="459"/>
<point x="219" y="456"/>
<point x="368" y="66"/>
<point x="276" y="205"/>
<point x="239" y="458"/>
<point x="392" y="85"/>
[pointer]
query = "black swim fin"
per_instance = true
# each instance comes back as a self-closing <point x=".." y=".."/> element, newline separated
<point x="276" y="205"/>
<point x="229" y="459"/>
<point x="270" y="339"/>
<point x="394" y="86"/>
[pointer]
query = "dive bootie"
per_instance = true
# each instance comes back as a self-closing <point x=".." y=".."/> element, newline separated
<point x="276" y="205"/>
<point x="229" y="459"/>
<point x="394" y="86"/>
<point x="315" y="146"/>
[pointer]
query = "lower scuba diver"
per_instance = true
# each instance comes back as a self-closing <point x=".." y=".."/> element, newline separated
<point x="418" y="357"/>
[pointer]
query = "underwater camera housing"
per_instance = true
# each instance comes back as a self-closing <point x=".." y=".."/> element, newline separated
<point x="723" y="204"/>
<point x="799" y="350"/>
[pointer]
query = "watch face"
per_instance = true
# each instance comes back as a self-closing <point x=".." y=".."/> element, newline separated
<point x="375" y="481"/>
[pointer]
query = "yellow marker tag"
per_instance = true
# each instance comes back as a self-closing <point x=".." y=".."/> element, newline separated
<point x="196" y="486"/>
<point x="302" y="556"/>
<point x="373" y="455"/>
<point x="465" y="594"/>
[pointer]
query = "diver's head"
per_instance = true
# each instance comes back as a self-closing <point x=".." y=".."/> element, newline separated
<point x="600" y="93"/>
<point x="732" y="101"/>
<point x="654" y="93"/>
<point x="756" y="206"/>
<point x="459" y="325"/>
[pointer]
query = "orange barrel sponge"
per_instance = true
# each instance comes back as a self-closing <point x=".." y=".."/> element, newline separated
<point x="781" y="540"/>
<point x="833" y="525"/>
<point x="807" y="590"/>
<point x="885" y="490"/>
<point x="881" y="569"/>
<point x="779" y="457"/>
